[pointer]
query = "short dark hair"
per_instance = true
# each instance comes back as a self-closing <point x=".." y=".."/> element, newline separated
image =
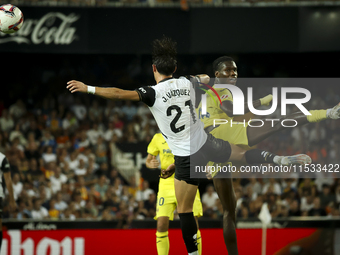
<point x="164" y="55"/>
<point x="217" y="63"/>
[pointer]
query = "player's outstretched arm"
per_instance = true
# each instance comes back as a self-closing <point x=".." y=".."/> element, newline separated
<point x="108" y="93"/>
<point x="9" y="185"/>
<point x="227" y="105"/>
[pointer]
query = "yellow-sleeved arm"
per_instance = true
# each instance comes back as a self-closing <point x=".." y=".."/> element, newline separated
<point x="153" y="147"/>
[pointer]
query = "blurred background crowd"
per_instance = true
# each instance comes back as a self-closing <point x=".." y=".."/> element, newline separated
<point x="60" y="144"/>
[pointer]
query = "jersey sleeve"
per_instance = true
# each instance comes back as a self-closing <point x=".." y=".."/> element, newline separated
<point x="5" y="167"/>
<point x="147" y="95"/>
<point x="153" y="146"/>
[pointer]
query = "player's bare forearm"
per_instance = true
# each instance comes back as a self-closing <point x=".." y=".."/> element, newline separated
<point x="8" y="181"/>
<point x="151" y="162"/>
<point x="107" y="93"/>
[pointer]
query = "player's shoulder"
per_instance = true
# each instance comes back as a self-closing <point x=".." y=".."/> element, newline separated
<point x="222" y="90"/>
<point x="158" y="135"/>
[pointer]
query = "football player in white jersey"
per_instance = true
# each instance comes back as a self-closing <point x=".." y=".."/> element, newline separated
<point x="5" y="170"/>
<point x="172" y="105"/>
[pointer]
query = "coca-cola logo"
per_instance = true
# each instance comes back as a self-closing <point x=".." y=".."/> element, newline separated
<point x="53" y="27"/>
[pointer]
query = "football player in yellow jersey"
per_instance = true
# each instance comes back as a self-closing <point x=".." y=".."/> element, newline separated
<point x="226" y="72"/>
<point x="166" y="199"/>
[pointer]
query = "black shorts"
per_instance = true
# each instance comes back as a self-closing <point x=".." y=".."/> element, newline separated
<point x="214" y="149"/>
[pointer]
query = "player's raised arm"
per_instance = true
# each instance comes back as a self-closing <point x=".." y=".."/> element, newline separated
<point x="108" y="93"/>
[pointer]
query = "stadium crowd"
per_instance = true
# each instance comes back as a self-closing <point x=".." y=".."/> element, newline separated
<point x="59" y="144"/>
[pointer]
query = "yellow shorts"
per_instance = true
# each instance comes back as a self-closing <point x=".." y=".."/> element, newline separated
<point x="167" y="203"/>
<point x="237" y="134"/>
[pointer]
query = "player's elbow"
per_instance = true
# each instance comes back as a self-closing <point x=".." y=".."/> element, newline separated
<point x="204" y="78"/>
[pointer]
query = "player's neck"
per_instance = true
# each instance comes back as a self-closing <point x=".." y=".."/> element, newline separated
<point x="160" y="77"/>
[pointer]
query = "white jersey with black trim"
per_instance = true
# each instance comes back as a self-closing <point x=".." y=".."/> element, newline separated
<point x="172" y="103"/>
<point x="4" y="167"/>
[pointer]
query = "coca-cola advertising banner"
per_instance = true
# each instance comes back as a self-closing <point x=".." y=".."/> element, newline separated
<point x="131" y="30"/>
<point x="48" y="30"/>
<point x="93" y="30"/>
<point x="143" y="241"/>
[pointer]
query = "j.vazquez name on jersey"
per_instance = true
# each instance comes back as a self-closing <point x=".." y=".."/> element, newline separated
<point x="176" y="93"/>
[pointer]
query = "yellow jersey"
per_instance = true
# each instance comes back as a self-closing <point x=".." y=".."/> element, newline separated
<point x="158" y="146"/>
<point x="213" y="107"/>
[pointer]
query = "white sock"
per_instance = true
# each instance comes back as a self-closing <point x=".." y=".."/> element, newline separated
<point x="193" y="253"/>
<point x="277" y="160"/>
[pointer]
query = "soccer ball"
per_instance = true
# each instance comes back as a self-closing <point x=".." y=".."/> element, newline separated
<point x="11" y="18"/>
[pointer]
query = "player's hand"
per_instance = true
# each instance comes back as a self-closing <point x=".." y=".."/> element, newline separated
<point x="168" y="172"/>
<point x="266" y="100"/>
<point x="76" y="86"/>
<point x="12" y="206"/>
<point x="154" y="163"/>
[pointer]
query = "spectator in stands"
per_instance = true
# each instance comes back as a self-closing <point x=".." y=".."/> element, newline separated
<point x="326" y="197"/>
<point x="17" y="186"/>
<point x="100" y="150"/>
<point x="16" y="133"/>
<point x="272" y="186"/>
<point x="33" y="128"/>
<point x="102" y="186"/>
<point x="144" y="193"/>
<point x="317" y="210"/>
<point x="95" y="112"/>
<point x="6" y="121"/>
<point x="307" y="202"/>
<point x="66" y="192"/>
<point x="49" y="156"/>
<point x="150" y="205"/>
<point x="294" y="209"/>
<point x="57" y="180"/>
<point x="68" y="215"/>
<point x="32" y="151"/>
<point x="60" y="204"/>
<point x="209" y="199"/>
<point x="48" y="140"/>
<point x="39" y="212"/>
<point x="53" y="212"/>
<point x="94" y="133"/>
<point x="81" y="169"/>
<point x="129" y="110"/>
<point x="18" y="109"/>
<point x="79" y="202"/>
<point x="53" y="122"/>
<point x="23" y="211"/>
<point x="79" y="110"/>
<point x="70" y="122"/>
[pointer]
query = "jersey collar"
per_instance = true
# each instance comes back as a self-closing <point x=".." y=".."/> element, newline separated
<point x="166" y="79"/>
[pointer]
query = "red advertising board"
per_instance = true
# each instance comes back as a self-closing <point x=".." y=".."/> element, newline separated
<point x="139" y="241"/>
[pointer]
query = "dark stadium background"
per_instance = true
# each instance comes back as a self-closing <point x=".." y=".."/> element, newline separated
<point x="113" y="49"/>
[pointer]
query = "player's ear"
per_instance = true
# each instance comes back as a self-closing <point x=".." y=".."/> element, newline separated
<point x="175" y="69"/>
<point x="217" y="73"/>
<point x="154" y="69"/>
